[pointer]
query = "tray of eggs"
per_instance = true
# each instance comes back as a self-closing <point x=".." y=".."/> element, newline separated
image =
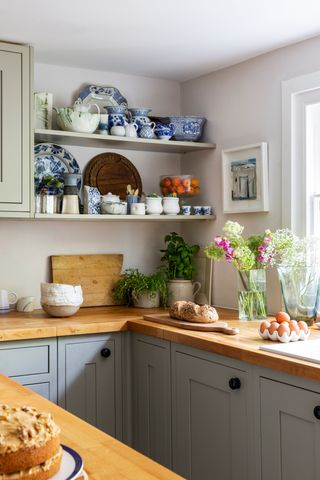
<point x="284" y="330"/>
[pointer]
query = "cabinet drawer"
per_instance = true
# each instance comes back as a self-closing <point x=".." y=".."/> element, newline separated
<point x="24" y="360"/>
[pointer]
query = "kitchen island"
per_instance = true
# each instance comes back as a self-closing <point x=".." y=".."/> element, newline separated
<point x="104" y="457"/>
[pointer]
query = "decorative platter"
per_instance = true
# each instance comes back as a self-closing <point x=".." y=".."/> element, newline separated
<point x="104" y="96"/>
<point x="111" y="172"/>
<point x="71" y="465"/>
<point x="51" y="159"/>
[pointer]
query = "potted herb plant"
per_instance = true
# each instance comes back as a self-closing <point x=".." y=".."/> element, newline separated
<point x="140" y="290"/>
<point x="179" y="268"/>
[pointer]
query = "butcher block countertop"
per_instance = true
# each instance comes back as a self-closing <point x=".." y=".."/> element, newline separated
<point x="244" y="346"/>
<point x="104" y="457"/>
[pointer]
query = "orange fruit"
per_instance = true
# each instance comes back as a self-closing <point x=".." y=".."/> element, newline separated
<point x="166" y="182"/>
<point x="180" y="189"/>
<point x="164" y="190"/>
<point x="186" y="183"/>
<point x="195" y="182"/>
<point x="176" y="181"/>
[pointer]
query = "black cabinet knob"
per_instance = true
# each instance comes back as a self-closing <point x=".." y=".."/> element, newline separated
<point x="105" y="352"/>
<point x="234" y="383"/>
<point x="316" y="412"/>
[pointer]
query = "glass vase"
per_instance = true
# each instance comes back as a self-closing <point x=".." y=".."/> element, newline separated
<point x="252" y="295"/>
<point x="300" y="291"/>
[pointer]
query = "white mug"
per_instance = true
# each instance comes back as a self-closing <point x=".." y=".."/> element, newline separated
<point x="5" y="300"/>
<point x="25" y="304"/>
<point x="138" y="208"/>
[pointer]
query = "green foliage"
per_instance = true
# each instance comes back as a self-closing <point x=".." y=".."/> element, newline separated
<point x="133" y="280"/>
<point x="178" y="257"/>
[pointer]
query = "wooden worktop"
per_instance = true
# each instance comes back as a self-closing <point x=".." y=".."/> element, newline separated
<point x="245" y="346"/>
<point x="104" y="457"/>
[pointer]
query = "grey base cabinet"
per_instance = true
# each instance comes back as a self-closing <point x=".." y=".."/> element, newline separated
<point x="151" y="375"/>
<point x="290" y="432"/>
<point x="33" y="363"/>
<point x="210" y="418"/>
<point x="89" y="379"/>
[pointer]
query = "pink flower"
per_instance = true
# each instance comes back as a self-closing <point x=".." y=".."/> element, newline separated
<point x="218" y="241"/>
<point x="260" y="259"/>
<point x="261" y="248"/>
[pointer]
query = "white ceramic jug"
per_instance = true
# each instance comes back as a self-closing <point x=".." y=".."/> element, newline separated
<point x="182" y="290"/>
<point x="131" y="130"/>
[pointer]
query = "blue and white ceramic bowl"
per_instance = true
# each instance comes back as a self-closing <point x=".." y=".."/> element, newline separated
<point x="187" y="128"/>
<point x="164" y="132"/>
<point x="186" y="210"/>
<point x="197" y="210"/>
<point x="206" y="210"/>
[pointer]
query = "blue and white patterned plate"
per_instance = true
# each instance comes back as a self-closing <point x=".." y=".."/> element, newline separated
<point x="51" y="159"/>
<point x="103" y="96"/>
<point x="71" y="465"/>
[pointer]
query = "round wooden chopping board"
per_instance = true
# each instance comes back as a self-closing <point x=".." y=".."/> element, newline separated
<point x="111" y="172"/>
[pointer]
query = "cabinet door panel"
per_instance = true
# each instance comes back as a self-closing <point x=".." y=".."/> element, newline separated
<point x="210" y="421"/>
<point x="290" y="433"/>
<point x="152" y="398"/>
<point x="42" y="389"/>
<point x="89" y="383"/>
<point x="15" y="128"/>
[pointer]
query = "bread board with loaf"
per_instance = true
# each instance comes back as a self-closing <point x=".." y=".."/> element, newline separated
<point x="192" y="312"/>
<point x="165" y="319"/>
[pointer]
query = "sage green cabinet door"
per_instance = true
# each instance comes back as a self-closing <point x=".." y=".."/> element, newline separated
<point x="152" y="398"/>
<point x="15" y="128"/>
<point x="210" y="420"/>
<point x="290" y="432"/>
<point x="89" y="379"/>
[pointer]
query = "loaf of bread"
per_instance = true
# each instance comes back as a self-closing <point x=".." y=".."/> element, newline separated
<point x="29" y="444"/>
<point x="191" y="312"/>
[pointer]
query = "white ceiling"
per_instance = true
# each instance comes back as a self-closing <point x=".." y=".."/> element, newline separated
<point x="174" y="39"/>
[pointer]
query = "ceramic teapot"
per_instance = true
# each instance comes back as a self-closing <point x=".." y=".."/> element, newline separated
<point x="78" y="118"/>
<point x="147" y="130"/>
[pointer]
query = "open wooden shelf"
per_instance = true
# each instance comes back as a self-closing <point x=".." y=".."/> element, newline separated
<point x="124" y="218"/>
<point x="112" y="141"/>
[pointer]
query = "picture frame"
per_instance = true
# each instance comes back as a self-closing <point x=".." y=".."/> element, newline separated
<point x="245" y="179"/>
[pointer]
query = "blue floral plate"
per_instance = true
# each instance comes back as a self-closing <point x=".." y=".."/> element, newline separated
<point x="51" y="159"/>
<point x="71" y="465"/>
<point x="103" y="96"/>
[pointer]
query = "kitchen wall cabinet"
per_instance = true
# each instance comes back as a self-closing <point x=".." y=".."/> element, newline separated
<point x="210" y="418"/>
<point x="89" y="379"/>
<point x="33" y="363"/>
<point x="151" y="380"/>
<point x="16" y="143"/>
<point x="290" y="432"/>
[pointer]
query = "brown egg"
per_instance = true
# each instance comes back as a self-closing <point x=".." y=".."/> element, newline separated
<point x="284" y="328"/>
<point x="282" y="317"/>
<point x="273" y="327"/>
<point x="264" y="325"/>
<point x="303" y="326"/>
<point x="294" y="327"/>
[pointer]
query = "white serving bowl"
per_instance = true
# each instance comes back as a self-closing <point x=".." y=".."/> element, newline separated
<point x="73" y="120"/>
<point x="113" y="208"/>
<point x="60" y="310"/>
<point x="61" y="294"/>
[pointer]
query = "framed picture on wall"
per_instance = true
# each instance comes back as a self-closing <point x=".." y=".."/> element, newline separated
<point x="245" y="179"/>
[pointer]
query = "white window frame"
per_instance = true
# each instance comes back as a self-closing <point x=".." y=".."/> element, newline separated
<point x="297" y="94"/>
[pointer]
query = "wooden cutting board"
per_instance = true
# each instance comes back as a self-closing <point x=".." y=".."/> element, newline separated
<point x="111" y="172"/>
<point x="96" y="274"/>
<point x="165" y="319"/>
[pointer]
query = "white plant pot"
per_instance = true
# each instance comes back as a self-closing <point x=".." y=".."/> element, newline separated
<point x="182" y="290"/>
<point x="146" y="300"/>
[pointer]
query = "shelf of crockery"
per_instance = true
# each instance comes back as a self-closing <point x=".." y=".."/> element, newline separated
<point x="112" y="141"/>
<point x="123" y="218"/>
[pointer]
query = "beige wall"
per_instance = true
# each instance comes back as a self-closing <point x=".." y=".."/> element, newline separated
<point x="243" y="106"/>
<point x="27" y="245"/>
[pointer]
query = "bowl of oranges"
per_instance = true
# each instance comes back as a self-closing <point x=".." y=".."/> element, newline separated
<point x="180" y="185"/>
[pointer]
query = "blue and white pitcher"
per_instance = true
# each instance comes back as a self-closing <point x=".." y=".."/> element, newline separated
<point x="147" y="130"/>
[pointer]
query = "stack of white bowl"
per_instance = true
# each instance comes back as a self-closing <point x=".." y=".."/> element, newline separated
<point x="60" y="300"/>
